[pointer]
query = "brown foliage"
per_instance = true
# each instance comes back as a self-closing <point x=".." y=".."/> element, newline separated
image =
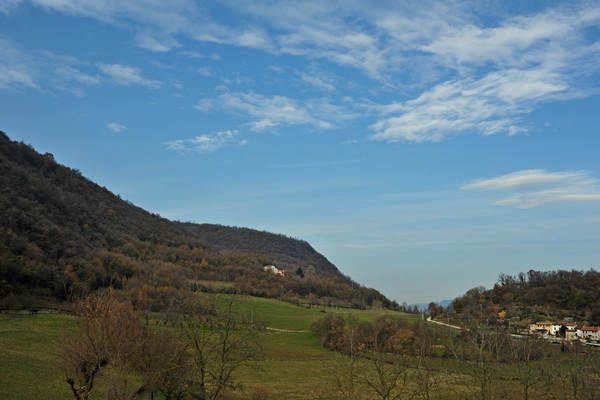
<point x="109" y="333"/>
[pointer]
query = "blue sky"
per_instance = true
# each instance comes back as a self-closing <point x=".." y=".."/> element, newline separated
<point x="423" y="147"/>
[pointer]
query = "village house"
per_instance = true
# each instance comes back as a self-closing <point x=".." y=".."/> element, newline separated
<point x="571" y="336"/>
<point x="554" y="328"/>
<point x="589" y="333"/>
<point x="274" y="270"/>
<point x="571" y="327"/>
<point x="543" y="327"/>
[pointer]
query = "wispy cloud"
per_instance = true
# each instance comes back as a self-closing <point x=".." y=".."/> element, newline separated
<point x="206" y="143"/>
<point x="116" y="127"/>
<point x="204" y="71"/>
<point x="268" y="112"/>
<point x="126" y="75"/>
<point x="70" y="73"/>
<point x="528" y="60"/>
<point x="195" y="54"/>
<point x="317" y="81"/>
<point x="155" y="42"/>
<point x="490" y="105"/>
<point x="538" y="187"/>
<point x="460" y="72"/>
<point x="16" y="68"/>
<point x="42" y="70"/>
<point x="7" y="6"/>
<point x="350" y="141"/>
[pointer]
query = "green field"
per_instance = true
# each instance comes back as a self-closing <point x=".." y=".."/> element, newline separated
<point x="294" y="366"/>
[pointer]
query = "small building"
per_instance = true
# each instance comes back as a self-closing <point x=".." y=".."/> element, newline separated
<point x="274" y="270"/>
<point x="555" y="329"/>
<point x="571" y="327"/>
<point x="571" y="336"/>
<point x="542" y="327"/>
<point x="589" y="333"/>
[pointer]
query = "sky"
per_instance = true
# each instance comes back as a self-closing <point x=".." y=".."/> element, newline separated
<point x="423" y="147"/>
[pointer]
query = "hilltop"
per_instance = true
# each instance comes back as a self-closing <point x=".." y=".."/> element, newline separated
<point x="536" y="295"/>
<point x="62" y="235"/>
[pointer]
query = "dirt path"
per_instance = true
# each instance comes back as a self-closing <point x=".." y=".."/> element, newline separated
<point x="284" y="330"/>
<point x="444" y="324"/>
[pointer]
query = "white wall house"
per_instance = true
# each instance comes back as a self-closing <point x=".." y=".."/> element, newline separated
<point x="554" y="329"/>
<point x="589" y="333"/>
<point x="274" y="270"/>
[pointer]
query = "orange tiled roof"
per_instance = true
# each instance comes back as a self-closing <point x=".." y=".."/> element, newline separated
<point x="590" y="328"/>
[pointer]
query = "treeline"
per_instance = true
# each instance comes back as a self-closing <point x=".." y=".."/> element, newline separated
<point x="63" y="237"/>
<point x="536" y="294"/>
<point x="391" y="358"/>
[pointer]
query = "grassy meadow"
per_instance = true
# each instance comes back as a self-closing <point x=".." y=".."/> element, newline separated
<point x="295" y="364"/>
<point x="294" y="360"/>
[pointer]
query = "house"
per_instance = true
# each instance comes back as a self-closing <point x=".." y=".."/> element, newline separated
<point x="589" y="333"/>
<point x="555" y="329"/>
<point x="571" y="336"/>
<point x="571" y="327"/>
<point x="274" y="270"/>
<point x="543" y="327"/>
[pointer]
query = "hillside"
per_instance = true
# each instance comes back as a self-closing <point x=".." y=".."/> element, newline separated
<point x="537" y="295"/>
<point x="61" y="234"/>
<point x="277" y="249"/>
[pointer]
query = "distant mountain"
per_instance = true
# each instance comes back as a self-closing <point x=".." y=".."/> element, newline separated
<point x="61" y="233"/>
<point x="425" y="306"/>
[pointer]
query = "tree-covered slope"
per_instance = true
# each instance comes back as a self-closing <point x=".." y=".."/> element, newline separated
<point x="537" y="294"/>
<point x="278" y="249"/>
<point x="61" y="233"/>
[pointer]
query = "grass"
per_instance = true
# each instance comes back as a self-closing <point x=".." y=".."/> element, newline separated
<point x="29" y="356"/>
<point x="280" y="315"/>
<point x="295" y="364"/>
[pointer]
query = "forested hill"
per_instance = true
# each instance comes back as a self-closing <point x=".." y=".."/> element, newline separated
<point x="60" y="233"/>
<point x="537" y="295"/>
<point x="281" y="249"/>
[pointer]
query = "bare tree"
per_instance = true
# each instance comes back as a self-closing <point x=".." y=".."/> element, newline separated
<point x="163" y="363"/>
<point x="220" y="345"/>
<point x="483" y="370"/>
<point x="109" y="332"/>
<point x="524" y="354"/>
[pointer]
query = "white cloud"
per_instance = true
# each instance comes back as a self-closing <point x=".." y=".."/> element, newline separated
<point x="268" y="112"/>
<point x="204" y="105"/>
<point x="195" y="54"/>
<point x="350" y="141"/>
<point x="126" y="76"/>
<point x="529" y="60"/>
<point x="538" y="187"/>
<point x="6" y="6"/>
<point x="206" y="143"/>
<point x="204" y="71"/>
<point x="171" y="16"/>
<point x="16" y="68"/>
<point x="490" y="105"/>
<point x="69" y="73"/>
<point x="466" y="72"/>
<point x="149" y="41"/>
<point x="116" y="127"/>
<point x="542" y="198"/>
<point x="320" y="82"/>
<point x="42" y="70"/>
<point x="526" y="178"/>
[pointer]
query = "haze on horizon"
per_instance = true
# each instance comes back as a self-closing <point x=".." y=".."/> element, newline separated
<point x="423" y="149"/>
